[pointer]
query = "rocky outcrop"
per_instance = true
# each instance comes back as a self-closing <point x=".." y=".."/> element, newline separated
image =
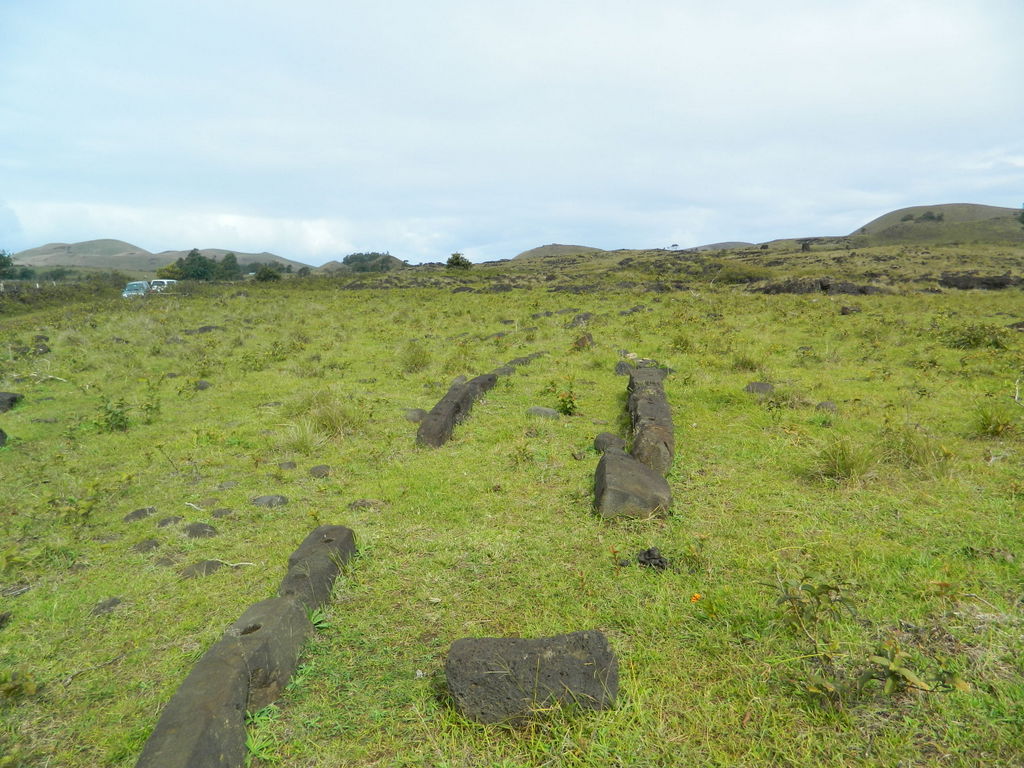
<point x="507" y="679"/>
<point x="827" y="285"/>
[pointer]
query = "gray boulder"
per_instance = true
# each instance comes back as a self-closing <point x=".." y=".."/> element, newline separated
<point x="759" y="388"/>
<point x="501" y="680"/>
<point x="544" y="413"/>
<point x="271" y="500"/>
<point x="625" y="487"/>
<point x="139" y="514"/>
<point x="607" y="440"/>
<point x="200" y="531"/>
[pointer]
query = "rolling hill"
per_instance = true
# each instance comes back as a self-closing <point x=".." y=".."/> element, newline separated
<point x="948" y="223"/>
<point x="118" y="254"/>
<point x="556" y="250"/>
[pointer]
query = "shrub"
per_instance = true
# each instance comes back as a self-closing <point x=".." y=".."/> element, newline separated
<point x="458" y="261"/>
<point x="975" y="336"/>
<point x="414" y="356"/>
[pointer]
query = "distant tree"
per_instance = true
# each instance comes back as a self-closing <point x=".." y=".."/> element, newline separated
<point x="372" y="261"/>
<point x="6" y="264"/>
<point x="228" y="269"/>
<point x="907" y="217"/>
<point x="458" y="261"/>
<point x="57" y="273"/>
<point x="170" y="272"/>
<point x="24" y="273"/>
<point x="267" y="274"/>
<point x="195" y="266"/>
<point x="304" y="272"/>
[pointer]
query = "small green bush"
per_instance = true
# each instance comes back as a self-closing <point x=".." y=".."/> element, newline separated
<point x="992" y="420"/>
<point x="843" y="460"/>
<point x="975" y="336"/>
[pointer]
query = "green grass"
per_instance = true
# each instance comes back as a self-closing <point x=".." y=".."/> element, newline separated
<point x="905" y="496"/>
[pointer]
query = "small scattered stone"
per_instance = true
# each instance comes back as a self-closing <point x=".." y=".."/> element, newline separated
<point x="202" y="568"/>
<point x="3" y="438"/>
<point x="139" y="514"/>
<point x="579" y="455"/>
<point x="146" y="545"/>
<point x="272" y="404"/>
<point x="166" y="521"/>
<point x="272" y="500"/>
<point x="544" y="413"/>
<point x="320" y="471"/>
<point x="652" y="558"/>
<point x="287" y="465"/>
<point x="164" y="562"/>
<point x="227" y="485"/>
<point x="203" y="384"/>
<point x="106" y="606"/>
<point x="5" y="618"/>
<point x="225" y="512"/>
<point x="372" y="504"/>
<point x="44" y="421"/>
<point x="607" y="440"/>
<point x="759" y="388"/>
<point x="415" y="415"/>
<point x="586" y="341"/>
<point x="826" y="405"/>
<point x="848" y="310"/>
<point x="200" y="531"/>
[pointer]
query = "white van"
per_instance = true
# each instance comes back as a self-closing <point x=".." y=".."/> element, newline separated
<point x="161" y="284"/>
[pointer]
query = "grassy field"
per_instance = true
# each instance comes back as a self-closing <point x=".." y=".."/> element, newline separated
<point x="845" y="589"/>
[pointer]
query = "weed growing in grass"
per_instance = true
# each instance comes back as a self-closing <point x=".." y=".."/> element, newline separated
<point x="992" y="420"/>
<point x="15" y="683"/>
<point x="842" y="459"/>
<point x="974" y="336"/>
<point x="260" y="740"/>
<point x="908" y="445"/>
<point x="113" y="415"/>
<point x="564" y="391"/>
<point x="810" y="600"/>
<point x="414" y="357"/>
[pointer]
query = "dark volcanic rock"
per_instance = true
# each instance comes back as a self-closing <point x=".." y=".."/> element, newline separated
<point x="3" y="438"/>
<point x="139" y="514"/>
<point x="203" y="384"/>
<point x="320" y="471"/>
<point x="227" y="485"/>
<point x="623" y="486"/>
<point x="495" y="680"/>
<point x="200" y="531"/>
<point x="453" y="408"/>
<point x="373" y="504"/>
<point x="581" y="319"/>
<point x="202" y="568"/>
<point x="106" y="606"/>
<point x="313" y="567"/>
<point x="966" y="281"/>
<point x="146" y="545"/>
<point x="272" y="500"/>
<point x="287" y="465"/>
<point x="415" y="415"/>
<point x="586" y="341"/>
<point x="759" y="388"/>
<point x="166" y="521"/>
<point x="826" y="405"/>
<point x="607" y="440"/>
<point x="219" y="513"/>
<point x="845" y="310"/>
<point x="8" y="400"/>
<point x="653" y="430"/>
<point x="652" y="558"/>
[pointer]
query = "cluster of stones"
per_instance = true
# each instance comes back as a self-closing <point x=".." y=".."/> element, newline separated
<point x="633" y="484"/>
<point x="436" y="426"/>
<point x="204" y="722"/>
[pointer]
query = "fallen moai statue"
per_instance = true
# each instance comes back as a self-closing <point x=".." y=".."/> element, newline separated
<point x="436" y="427"/>
<point x="507" y="679"/>
<point x="653" y="432"/>
<point x="203" y="725"/>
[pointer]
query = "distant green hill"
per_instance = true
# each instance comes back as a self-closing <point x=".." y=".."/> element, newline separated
<point x="117" y="254"/>
<point x="950" y="223"/>
<point x="556" y="250"/>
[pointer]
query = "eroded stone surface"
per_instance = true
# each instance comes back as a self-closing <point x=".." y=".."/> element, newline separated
<point x="270" y="500"/>
<point x="607" y="440"/>
<point x="146" y="545"/>
<point x="200" y="531"/>
<point x="320" y="471"/>
<point x="494" y="680"/>
<point x="106" y="606"/>
<point x="202" y="568"/>
<point x="313" y="567"/>
<point x="139" y="514"/>
<point x="625" y="487"/>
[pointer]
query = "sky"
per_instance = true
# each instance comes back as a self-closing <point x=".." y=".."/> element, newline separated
<point x="317" y="128"/>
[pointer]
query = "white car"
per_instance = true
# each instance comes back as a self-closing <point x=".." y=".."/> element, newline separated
<point x="161" y="284"/>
